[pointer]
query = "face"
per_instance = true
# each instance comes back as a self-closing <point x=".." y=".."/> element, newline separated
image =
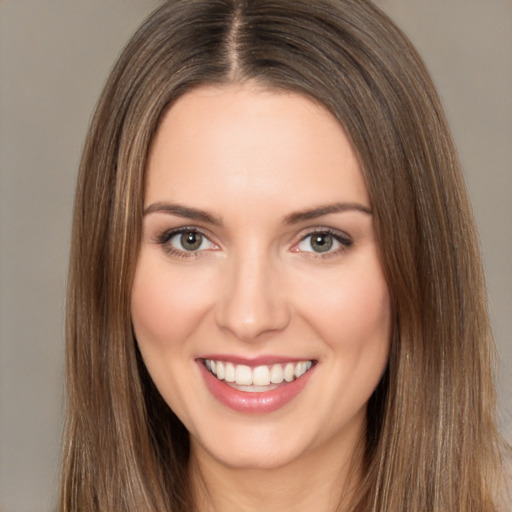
<point x="259" y="304"/>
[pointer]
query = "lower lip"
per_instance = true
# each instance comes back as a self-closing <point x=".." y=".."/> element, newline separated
<point x="254" y="402"/>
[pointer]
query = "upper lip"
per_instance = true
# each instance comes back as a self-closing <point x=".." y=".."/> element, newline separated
<point x="255" y="361"/>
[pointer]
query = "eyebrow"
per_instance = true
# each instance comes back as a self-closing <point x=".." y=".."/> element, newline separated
<point x="188" y="212"/>
<point x="183" y="211"/>
<point x="320" y="211"/>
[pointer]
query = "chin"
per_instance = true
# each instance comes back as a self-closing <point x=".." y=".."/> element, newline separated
<point x="259" y="448"/>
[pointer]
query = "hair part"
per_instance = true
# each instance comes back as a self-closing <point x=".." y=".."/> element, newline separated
<point x="431" y="440"/>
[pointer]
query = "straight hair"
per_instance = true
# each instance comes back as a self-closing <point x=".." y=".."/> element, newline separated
<point x="431" y="441"/>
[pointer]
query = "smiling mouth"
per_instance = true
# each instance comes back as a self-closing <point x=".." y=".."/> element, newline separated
<point x="258" y="379"/>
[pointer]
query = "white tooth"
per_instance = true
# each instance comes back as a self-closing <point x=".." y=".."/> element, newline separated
<point x="276" y="374"/>
<point x="220" y="370"/>
<point x="288" y="372"/>
<point x="208" y="364"/>
<point x="308" y="365"/>
<point x="229" y="372"/>
<point x="243" y="375"/>
<point x="299" y="369"/>
<point x="213" y="367"/>
<point x="261" y="376"/>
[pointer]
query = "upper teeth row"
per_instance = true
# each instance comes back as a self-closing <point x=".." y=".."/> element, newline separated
<point x="260" y="375"/>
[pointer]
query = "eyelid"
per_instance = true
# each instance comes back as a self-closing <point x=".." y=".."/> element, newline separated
<point x="338" y="233"/>
<point x="167" y="234"/>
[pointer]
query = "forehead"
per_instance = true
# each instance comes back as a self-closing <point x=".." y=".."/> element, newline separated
<point x="244" y="142"/>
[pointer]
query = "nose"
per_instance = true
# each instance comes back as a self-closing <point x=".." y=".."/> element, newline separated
<point x="252" y="301"/>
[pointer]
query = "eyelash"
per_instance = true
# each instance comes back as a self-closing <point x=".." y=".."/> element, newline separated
<point x="164" y="238"/>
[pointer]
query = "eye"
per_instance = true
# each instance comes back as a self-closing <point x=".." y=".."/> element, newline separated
<point x="185" y="240"/>
<point x="322" y="242"/>
<point x="189" y="241"/>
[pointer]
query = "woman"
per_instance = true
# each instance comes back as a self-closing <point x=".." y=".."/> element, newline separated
<point x="275" y="294"/>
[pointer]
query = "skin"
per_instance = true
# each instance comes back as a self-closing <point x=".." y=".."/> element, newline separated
<point x="256" y="286"/>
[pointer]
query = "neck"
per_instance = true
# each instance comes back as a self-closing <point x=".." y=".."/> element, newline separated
<point x="323" y="480"/>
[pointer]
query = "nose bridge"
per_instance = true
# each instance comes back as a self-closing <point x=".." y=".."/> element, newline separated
<point x="252" y="303"/>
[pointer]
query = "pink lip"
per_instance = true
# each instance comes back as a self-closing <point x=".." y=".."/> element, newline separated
<point x="254" y="361"/>
<point x="243" y="401"/>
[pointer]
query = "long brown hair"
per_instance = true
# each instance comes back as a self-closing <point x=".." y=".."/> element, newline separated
<point x="431" y="441"/>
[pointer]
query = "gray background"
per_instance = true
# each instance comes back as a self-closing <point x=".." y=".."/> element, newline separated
<point x="55" y="55"/>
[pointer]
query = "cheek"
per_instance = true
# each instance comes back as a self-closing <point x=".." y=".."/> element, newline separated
<point x="353" y="319"/>
<point x="352" y="312"/>
<point x="368" y="306"/>
<point x="166" y="305"/>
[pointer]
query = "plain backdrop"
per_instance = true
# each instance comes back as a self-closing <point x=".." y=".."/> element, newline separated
<point x="55" y="56"/>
